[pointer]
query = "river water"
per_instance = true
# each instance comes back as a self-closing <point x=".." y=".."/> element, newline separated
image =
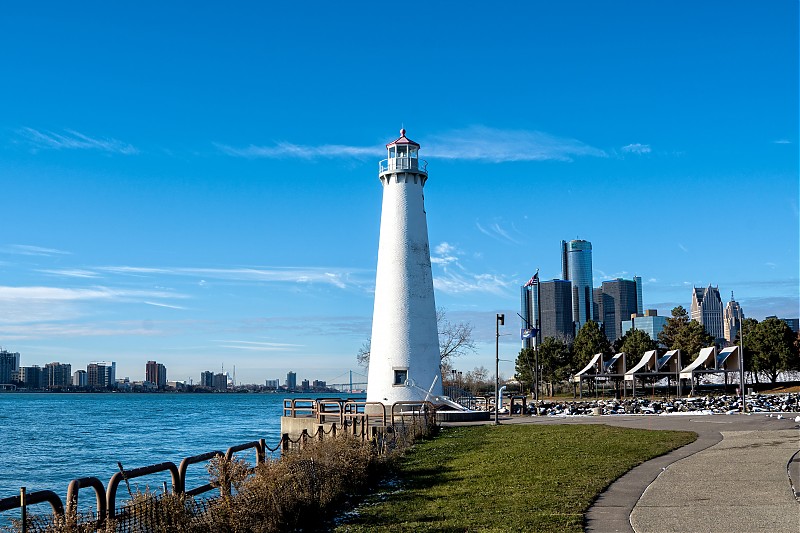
<point x="47" y="440"/>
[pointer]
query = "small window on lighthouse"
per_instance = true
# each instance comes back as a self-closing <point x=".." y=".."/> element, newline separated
<point x="391" y="151"/>
<point x="412" y="153"/>
<point x="400" y="376"/>
<point x="402" y="151"/>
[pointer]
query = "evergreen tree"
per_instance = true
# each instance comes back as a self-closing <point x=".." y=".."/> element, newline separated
<point x="589" y="341"/>
<point x="635" y="343"/>
<point x="678" y="320"/>
<point x="690" y="339"/>
<point x="772" y="348"/>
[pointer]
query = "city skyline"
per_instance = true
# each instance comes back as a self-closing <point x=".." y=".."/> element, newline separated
<point x="183" y="186"/>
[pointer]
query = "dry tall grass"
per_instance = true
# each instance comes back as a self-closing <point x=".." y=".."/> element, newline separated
<point x="298" y="491"/>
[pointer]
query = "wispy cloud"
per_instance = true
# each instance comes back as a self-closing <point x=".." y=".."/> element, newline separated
<point x="157" y="304"/>
<point x="637" y="149"/>
<point x="40" y="303"/>
<point x="74" y="140"/>
<point x="18" y="332"/>
<point x="285" y="150"/>
<point x="259" y="346"/>
<point x="336" y="277"/>
<point x="782" y="141"/>
<point x="71" y="273"/>
<point x="682" y="247"/>
<point x="497" y="145"/>
<point x="445" y="254"/>
<point x="27" y="249"/>
<point x="476" y="143"/>
<point x="463" y="282"/>
<point x="496" y="232"/>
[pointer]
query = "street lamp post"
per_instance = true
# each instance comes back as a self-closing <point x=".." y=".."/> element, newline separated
<point x="498" y="322"/>
<point x="741" y="361"/>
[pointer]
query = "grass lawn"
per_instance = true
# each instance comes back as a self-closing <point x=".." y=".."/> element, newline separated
<point x="525" y="477"/>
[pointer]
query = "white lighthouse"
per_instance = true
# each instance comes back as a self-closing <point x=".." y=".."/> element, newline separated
<point x="404" y="354"/>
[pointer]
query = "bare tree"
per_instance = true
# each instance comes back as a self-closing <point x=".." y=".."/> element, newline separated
<point x="454" y="340"/>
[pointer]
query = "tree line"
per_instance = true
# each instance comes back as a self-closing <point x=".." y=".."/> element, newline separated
<point x="770" y="347"/>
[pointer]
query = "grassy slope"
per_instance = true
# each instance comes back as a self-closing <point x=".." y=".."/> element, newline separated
<point x="510" y="478"/>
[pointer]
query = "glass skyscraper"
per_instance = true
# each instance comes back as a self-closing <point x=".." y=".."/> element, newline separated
<point x="576" y="264"/>
<point x="547" y="306"/>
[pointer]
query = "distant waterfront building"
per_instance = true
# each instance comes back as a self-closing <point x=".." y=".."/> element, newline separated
<point x="576" y="264"/>
<point x="650" y="323"/>
<point x="291" y="380"/>
<point x="9" y="365"/>
<point x="220" y="382"/>
<point x="32" y="377"/>
<point x="206" y="379"/>
<point x="707" y="310"/>
<point x="101" y="374"/>
<point x="156" y="373"/>
<point x="273" y="384"/>
<point x="79" y="378"/>
<point x="732" y="320"/>
<point x="615" y="301"/>
<point x="318" y="384"/>
<point x="793" y="323"/>
<point x="58" y="375"/>
<point x="305" y="385"/>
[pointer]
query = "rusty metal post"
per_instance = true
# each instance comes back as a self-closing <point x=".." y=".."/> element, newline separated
<point x="303" y="439"/>
<point x="23" y="505"/>
<point x="320" y="432"/>
<point x="333" y="430"/>
<point x="284" y="444"/>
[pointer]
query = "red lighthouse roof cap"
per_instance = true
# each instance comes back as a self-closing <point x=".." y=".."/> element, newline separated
<point x="402" y="140"/>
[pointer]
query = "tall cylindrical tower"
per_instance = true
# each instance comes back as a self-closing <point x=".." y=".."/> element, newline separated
<point x="404" y="354"/>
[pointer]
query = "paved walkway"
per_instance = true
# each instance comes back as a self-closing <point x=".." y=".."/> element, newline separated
<point x="732" y="478"/>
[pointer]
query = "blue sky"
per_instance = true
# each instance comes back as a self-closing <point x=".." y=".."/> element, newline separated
<point x="198" y="184"/>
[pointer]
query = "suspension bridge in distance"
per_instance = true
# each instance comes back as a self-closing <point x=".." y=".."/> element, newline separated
<point x="355" y="382"/>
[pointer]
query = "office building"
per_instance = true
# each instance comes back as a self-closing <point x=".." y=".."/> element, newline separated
<point x="555" y="308"/>
<point x="291" y="380"/>
<point x="649" y="322"/>
<point x="32" y="377"/>
<point x="547" y="307"/>
<point x="9" y="365"/>
<point x="793" y="323"/>
<point x="576" y="265"/>
<point x="101" y="374"/>
<point x="156" y="373"/>
<point x="79" y="378"/>
<point x="58" y="375"/>
<point x="220" y="382"/>
<point x="206" y="379"/>
<point x="615" y="301"/>
<point x="732" y="320"/>
<point x="273" y="384"/>
<point x="707" y="310"/>
<point x="639" y="302"/>
<point x="529" y="311"/>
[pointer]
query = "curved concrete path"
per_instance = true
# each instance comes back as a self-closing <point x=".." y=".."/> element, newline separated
<point x="739" y="484"/>
<point x="732" y="478"/>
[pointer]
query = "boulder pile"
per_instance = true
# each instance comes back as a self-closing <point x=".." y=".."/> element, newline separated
<point x="726" y="404"/>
